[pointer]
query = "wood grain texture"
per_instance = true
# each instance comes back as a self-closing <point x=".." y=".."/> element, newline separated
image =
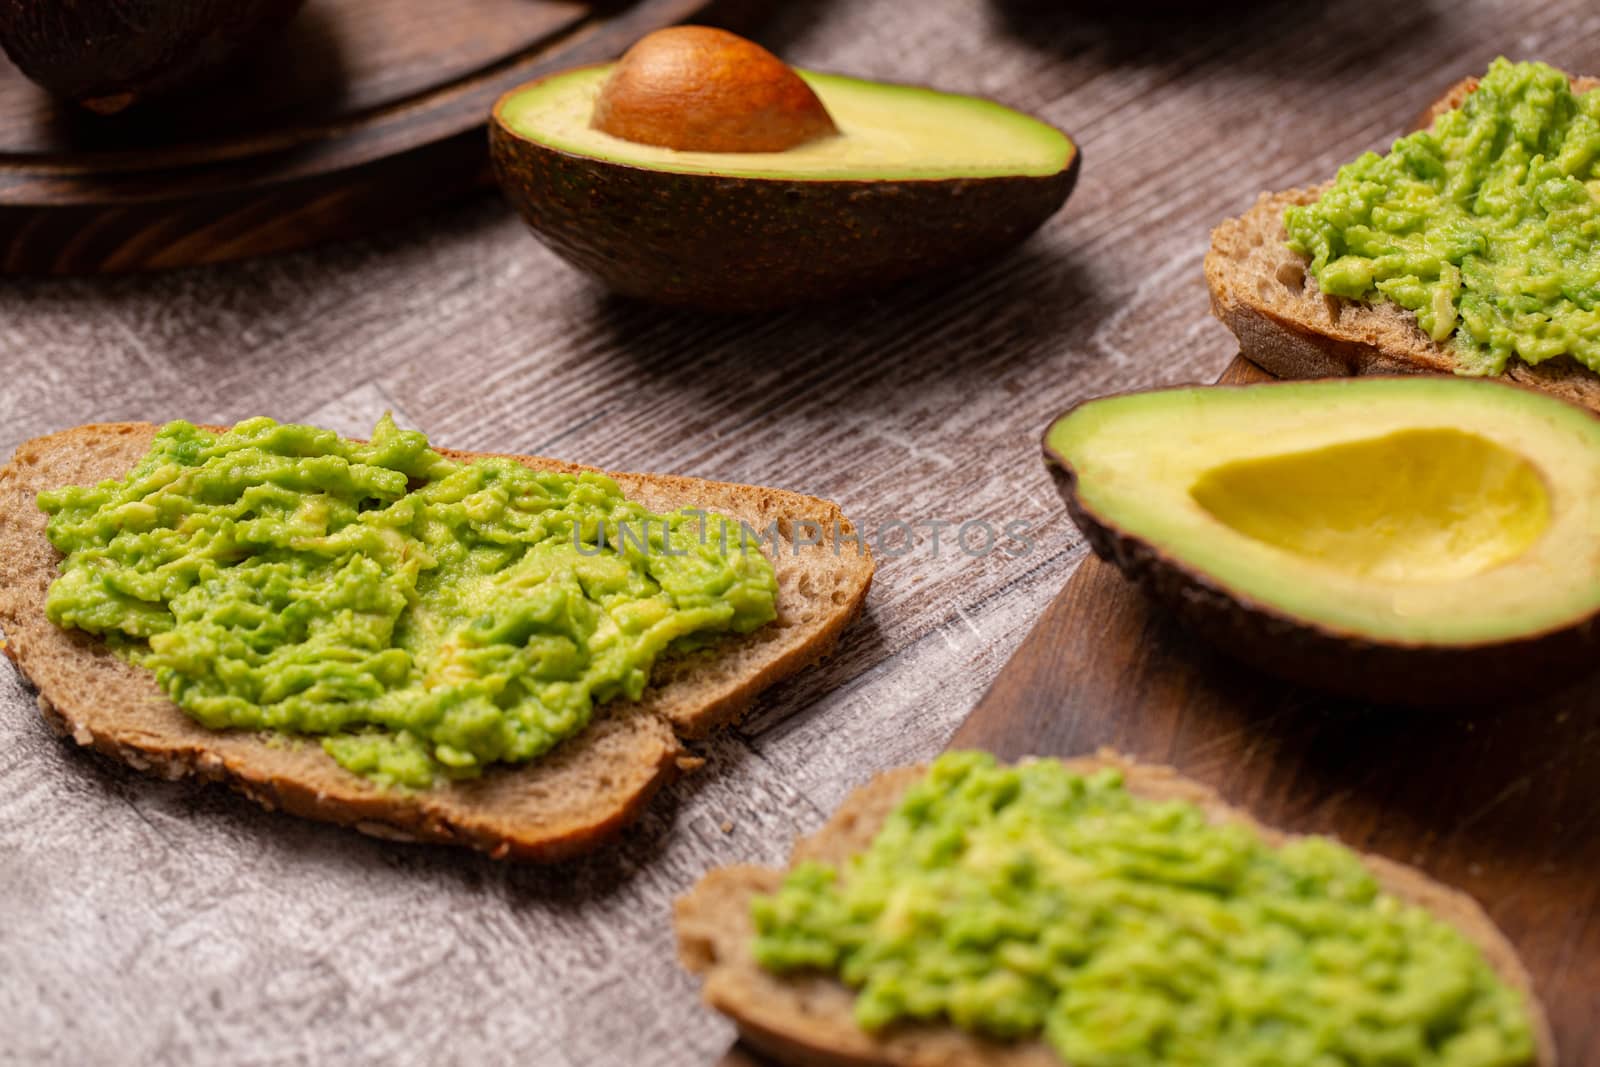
<point x="362" y="114"/>
<point x="155" y="922"/>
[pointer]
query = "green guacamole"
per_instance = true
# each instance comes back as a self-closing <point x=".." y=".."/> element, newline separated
<point x="424" y="616"/>
<point x="1134" y="933"/>
<point x="1485" y="226"/>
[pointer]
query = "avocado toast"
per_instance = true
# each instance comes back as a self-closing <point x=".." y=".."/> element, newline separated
<point x="565" y="802"/>
<point x="1264" y="291"/>
<point x="808" y="1017"/>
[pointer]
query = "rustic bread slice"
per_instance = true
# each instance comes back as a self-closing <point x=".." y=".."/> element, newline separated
<point x="806" y="1019"/>
<point x="567" y="802"/>
<point x="1262" y="292"/>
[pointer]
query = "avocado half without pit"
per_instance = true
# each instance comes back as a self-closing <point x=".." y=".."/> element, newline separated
<point x="109" y="54"/>
<point x="701" y="170"/>
<point x="1400" y="540"/>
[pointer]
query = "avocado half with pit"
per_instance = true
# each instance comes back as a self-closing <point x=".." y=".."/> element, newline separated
<point x="1402" y="540"/>
<point x="702" y="171"/>
<point x="108" y="54"/>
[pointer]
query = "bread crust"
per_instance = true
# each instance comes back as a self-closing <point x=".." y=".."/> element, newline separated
<point x="1263" y="292"/>
<point x="570" y="801"/>
<point x="806" y="1020"/>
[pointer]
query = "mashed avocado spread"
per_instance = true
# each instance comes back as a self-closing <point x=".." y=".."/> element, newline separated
<point x="1134" y="933"/>
<point x="1485" y="226"/>
<point x="425" y="616"/>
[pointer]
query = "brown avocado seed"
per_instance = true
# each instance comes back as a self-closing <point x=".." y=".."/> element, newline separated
<point x="696" y="89"/>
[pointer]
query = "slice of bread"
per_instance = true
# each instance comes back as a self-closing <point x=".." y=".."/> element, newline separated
<point x="1262" y="292"/>
<point x="567" y="802"/>
<point x="807" y="1020"/>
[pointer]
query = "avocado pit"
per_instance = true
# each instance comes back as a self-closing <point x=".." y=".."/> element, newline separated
<point x="698" y="89"/>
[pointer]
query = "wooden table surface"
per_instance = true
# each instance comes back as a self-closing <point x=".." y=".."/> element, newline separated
<point x="147" y="922"/>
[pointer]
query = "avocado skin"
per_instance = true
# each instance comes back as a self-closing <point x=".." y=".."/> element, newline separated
<point x="108" y="53"/>
<point x="731" y="244"/>
<point x="1343" y="663"/>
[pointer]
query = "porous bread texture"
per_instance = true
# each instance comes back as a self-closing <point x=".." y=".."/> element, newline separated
<point x="566" y="802"/>
<point x="806" y="1019"/>
<point x="1262" y="291"/>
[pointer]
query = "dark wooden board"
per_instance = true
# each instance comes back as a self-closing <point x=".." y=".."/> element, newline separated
<point x="361" y="115"/>
<point x="1501" y="801"/>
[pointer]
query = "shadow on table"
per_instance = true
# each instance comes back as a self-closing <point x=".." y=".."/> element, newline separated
<point x="742" y="1055"/>
<point x="962" y="327"/>
<point x="576" y="883"/>
<point x="776" y="27"/>
<point x="861" y="647"/>
<point x="1253" y="35"/>
<point x="227" y="816"/>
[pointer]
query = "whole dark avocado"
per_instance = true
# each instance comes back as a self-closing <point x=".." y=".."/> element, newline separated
<point x="780" y="188"/>
<point x="109" y="54"/>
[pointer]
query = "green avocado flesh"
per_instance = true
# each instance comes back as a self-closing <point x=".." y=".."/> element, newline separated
<point x="1409" y="510"/>
<point x="425" y="616"/>
<point x="886" y="132"/>
<point x="1485" y="226"/>
<point x="1014" y="901"/>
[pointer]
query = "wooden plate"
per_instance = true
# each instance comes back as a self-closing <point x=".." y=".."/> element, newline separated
<point x="363" y="113"/>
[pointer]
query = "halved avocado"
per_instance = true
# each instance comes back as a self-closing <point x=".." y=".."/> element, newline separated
<point x="1404" y="540"/>
<point x="912" y="181"/>
<point x="108" y="54"/>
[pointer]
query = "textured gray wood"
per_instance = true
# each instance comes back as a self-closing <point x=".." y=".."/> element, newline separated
<point x="143" y="921"/>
